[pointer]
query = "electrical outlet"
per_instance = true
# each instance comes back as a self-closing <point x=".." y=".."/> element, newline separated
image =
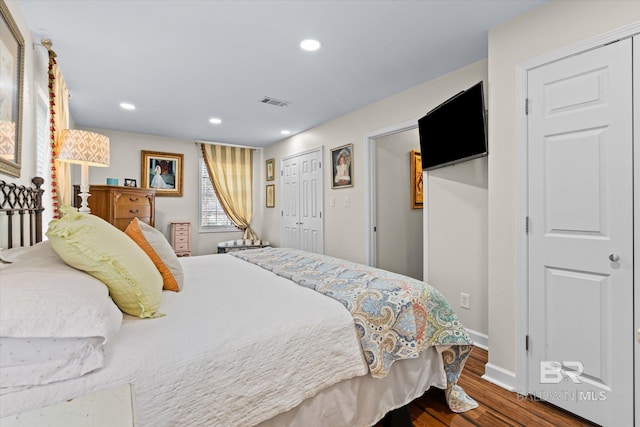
<point x="464" y="300"/>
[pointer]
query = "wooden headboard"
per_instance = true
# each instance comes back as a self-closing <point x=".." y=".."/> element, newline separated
<point x="22" y="201"/>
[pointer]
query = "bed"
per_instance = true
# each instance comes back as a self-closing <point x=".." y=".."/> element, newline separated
<point x="269" y="337"/>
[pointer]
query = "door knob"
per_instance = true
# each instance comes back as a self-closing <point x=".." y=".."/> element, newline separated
<point x="614" y="258"/>
<point x="638" y="335"/>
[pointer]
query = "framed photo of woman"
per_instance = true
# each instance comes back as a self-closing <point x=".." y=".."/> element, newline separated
<point x="342" y="166"/>
<point x="162" y="172"/>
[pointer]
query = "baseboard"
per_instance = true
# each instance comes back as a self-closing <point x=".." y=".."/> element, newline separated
<point x="499" y="376"/>
<point x="479" y="340"/>
<point x="492" y="373"/>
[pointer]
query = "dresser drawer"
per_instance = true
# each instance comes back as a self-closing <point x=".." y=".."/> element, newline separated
<point x="182" y="228"/>
<point x="132" y="211"/>
<point x="132" y="199"/>
<point x="179" y="247"/>
<point x="178" y="238"/>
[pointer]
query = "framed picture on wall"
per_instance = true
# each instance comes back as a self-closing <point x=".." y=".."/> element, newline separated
<point x="342" y="166"/>
<point x="11" y="93"/>
<point x="271" y="196"/>
<point x="417" y="185"/>
<point x="270" y="168"/>
<point x="162" y="172"/>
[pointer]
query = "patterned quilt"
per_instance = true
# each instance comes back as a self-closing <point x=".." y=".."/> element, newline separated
<point x="396" y="316"/>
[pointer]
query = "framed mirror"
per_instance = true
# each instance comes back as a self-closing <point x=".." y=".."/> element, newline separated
<point x="11" y="90"/>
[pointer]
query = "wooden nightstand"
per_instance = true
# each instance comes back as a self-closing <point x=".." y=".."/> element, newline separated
<point x="181" y="238"/>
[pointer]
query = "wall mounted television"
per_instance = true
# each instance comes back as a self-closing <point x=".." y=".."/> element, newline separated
<point x="454" y="131"/>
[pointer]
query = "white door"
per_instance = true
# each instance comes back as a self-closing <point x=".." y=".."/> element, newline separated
<point x="580" y="162"/>
<point x="290" y="202"/>
<point x="302" y="202"/>
<point x="310" y="223"/>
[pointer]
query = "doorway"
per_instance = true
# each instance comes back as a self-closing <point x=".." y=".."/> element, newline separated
<point x="386" y="232"/>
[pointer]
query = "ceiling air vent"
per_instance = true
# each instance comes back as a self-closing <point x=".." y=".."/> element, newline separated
<point x="273" y="101"/>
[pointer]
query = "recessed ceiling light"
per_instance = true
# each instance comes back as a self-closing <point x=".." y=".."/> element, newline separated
<point x="285" y="132"/>
<point x="127" y="106"/>
<point x="310" y="45"/>
<point x="215" y="121"/>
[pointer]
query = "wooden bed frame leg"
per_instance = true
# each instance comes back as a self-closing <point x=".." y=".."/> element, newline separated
<point x="398" y="418"/>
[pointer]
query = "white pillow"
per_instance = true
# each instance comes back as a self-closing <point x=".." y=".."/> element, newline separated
<point x="46" y="300"/>
<point x="41" y="254"/>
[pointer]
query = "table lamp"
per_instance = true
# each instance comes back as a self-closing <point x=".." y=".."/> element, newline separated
<point x="86" y="149"/>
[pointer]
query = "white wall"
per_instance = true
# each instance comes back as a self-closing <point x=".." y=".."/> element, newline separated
<point x="125" y="153"/>
<point x="464" y="189"/>
<point x="457" y="219"/>
<point x="551" y="27"/>
<point x="399" y="226"/>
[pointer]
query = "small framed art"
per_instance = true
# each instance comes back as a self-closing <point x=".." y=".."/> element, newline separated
<point x="270" y="168"/>
<point x="129" y="182"/>
<point x="271" y="196"/>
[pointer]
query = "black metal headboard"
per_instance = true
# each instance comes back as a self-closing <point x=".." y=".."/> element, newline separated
<point x="22" y="200"/>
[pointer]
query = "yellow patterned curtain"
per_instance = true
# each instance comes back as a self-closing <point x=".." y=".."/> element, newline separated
<point x="231" y="173"/>
<point x="59" y="120"/>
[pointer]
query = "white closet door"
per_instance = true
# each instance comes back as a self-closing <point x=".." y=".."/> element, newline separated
<point x="290" y="203"/>
<point x="302" y="202"/>
<point x="580" y="162"/>
<point x="311" y="235"/>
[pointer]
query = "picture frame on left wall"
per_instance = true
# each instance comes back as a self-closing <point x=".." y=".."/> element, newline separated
<point x="271" y="196"/>
<point x="11" y="93"/>
<point x="162" y="172"/>
<point x="270" y="169"/>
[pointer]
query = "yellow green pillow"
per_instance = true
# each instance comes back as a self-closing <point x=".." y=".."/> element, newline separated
<point x="89" y="243"/>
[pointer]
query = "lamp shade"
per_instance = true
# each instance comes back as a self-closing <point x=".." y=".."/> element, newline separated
<point x="81" y="146"/>
<point x="7" y="139"/>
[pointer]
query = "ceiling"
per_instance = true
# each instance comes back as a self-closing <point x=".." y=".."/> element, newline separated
<point x="182" y="62"/>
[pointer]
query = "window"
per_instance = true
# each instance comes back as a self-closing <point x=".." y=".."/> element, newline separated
<point x="212" y="216"/>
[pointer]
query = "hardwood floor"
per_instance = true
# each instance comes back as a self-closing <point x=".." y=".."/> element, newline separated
<point x="498" y="407"/>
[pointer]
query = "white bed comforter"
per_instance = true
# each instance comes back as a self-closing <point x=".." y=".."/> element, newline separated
<point x="237" y="346"/>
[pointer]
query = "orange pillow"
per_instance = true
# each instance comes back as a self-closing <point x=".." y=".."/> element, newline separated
<point x="156" y="246"/>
